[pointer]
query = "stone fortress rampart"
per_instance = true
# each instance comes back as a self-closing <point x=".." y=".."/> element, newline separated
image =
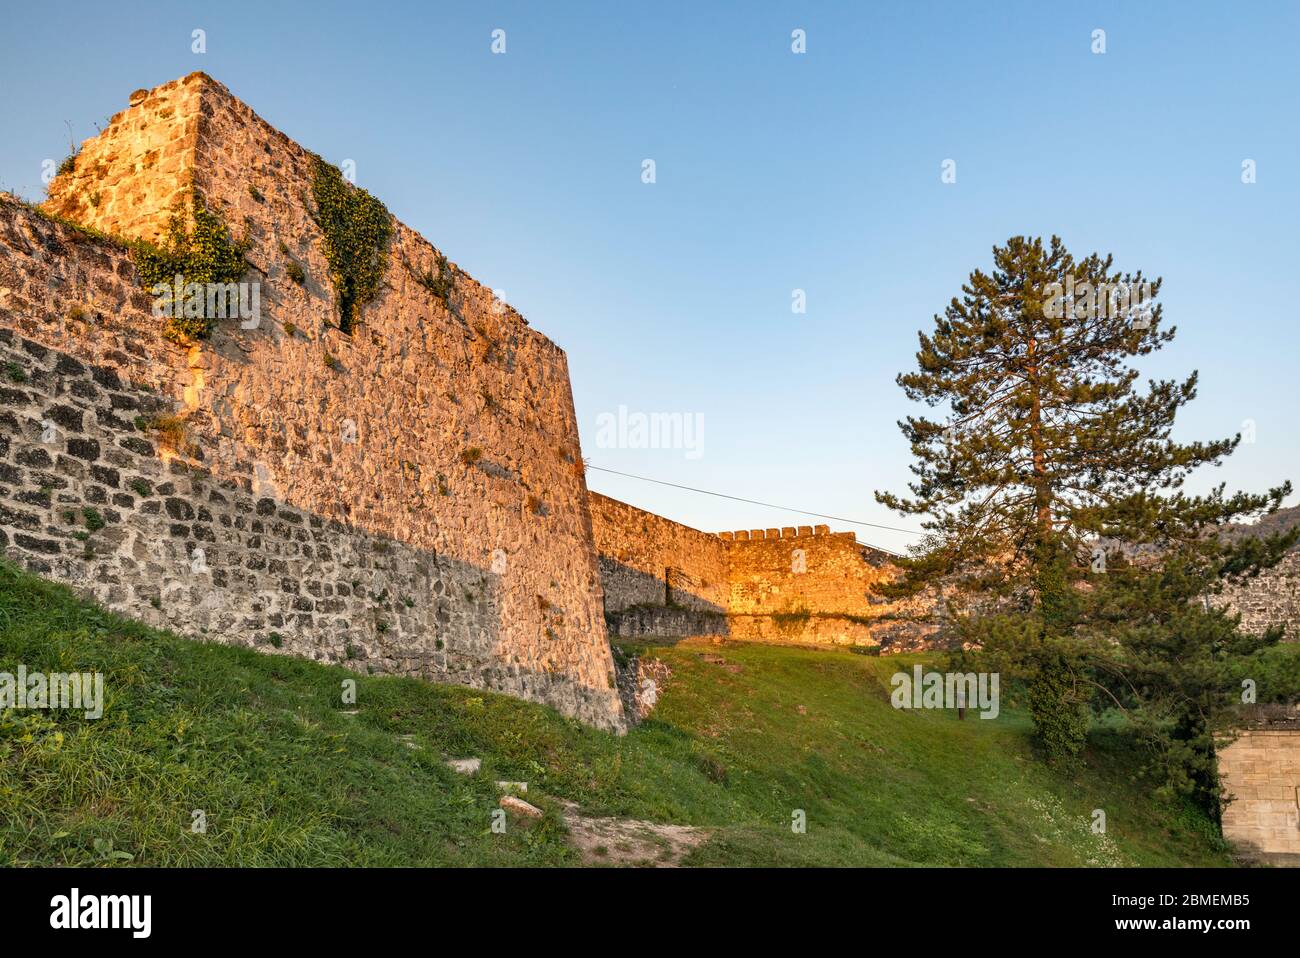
<point x="404" y="497"/>
<point x="796" y="585"/>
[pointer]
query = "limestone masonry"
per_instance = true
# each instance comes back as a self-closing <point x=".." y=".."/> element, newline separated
<point x="1270" y="599"/>
<point x="414" y="507"/>
<point x="797" y="585"/>
<point x="1260" y="770"/>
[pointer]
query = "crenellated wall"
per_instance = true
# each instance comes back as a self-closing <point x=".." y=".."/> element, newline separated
<point x="802" y="569"/>
<point x="802" y="584"/>
<point x="436" y="447"/>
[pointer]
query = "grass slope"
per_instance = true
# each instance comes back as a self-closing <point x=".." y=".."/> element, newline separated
<point x="261" y="744"/>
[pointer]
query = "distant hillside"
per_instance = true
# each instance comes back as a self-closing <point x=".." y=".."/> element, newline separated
<point x="745" y="740"/>
<point x="1280" y="521"/>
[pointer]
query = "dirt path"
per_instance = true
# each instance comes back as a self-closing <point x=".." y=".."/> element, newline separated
<point x="627" y="841"/>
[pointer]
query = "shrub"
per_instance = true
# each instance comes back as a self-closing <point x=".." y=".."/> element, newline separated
<point x="172" y="433"/>
<point x="1060" y="721"/>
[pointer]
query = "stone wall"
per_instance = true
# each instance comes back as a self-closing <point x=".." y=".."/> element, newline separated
<point x="811" y="586"/>
<point x="647" y="560"/>
<point x="803" y="585"/>
<point x="125" y="180"/>
<point x="1260" y="772"/>
<point x="1272" y="598"/>
<point x="444" y="430"/>
<point x="802" y="569"/>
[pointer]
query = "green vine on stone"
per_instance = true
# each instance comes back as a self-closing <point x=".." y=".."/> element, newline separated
<point x="199" y="249"/>
<point x="357" y="228"/>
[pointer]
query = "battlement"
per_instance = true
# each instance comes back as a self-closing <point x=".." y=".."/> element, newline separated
<point x="785" y="532"/>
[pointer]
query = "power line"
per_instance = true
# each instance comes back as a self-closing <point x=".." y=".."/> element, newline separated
<point x="755" y="502"/>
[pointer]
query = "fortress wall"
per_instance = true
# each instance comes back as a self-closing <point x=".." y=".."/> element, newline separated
<point x="126" y="179"/>
<point x="743" y="585"/>
<point x="99" y="504"/>
<point x="1270" y="599"/>
<point x="647" y="560"/>
<point x="802" y="569"/>
<point x="449" y="432"/>
<point x="1260" y="771"/>
<point x="802" y="629"/>
<point x="810" y="586"/>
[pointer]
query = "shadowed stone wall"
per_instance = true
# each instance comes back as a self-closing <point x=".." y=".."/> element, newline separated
<point x="442" y="431"/>
<point x="647" y="560"/>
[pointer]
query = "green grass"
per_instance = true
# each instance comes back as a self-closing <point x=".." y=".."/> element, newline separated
<point x="261" y="744"/>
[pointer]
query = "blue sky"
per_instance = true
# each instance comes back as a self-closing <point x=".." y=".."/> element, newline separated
<point x="774" y="172"/>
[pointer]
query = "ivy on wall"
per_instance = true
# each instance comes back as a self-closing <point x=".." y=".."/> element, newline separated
<point x="357" y="228"/>
<point x="199" y="249"/>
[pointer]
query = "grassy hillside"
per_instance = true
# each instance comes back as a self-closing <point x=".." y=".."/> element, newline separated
<point x="262" y="744"/>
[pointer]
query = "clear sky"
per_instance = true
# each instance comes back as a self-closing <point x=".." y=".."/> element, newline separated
<point x="774" y="171"/>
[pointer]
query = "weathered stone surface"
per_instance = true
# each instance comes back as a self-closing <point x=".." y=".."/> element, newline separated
<point x="795" y="585"/>
<point x="647" y="560"/>
<point x="338" y="515"/>
<point x="1271" y="599"/>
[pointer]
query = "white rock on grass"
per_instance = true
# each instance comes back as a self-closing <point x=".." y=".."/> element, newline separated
<point x="466" y="766"/>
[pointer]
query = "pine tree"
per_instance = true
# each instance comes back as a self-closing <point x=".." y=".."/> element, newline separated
<point x="1048" y="461"/>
